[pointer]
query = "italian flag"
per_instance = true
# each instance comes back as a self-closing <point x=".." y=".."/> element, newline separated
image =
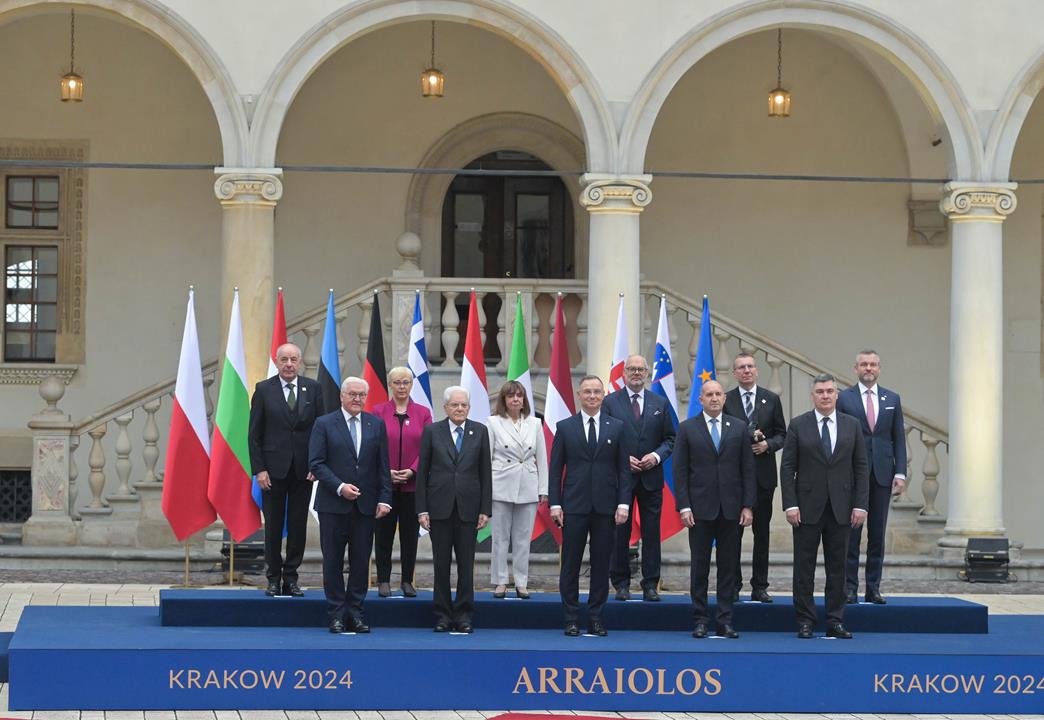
<point x="185" y="500"/>
<point x="518" y="360"/>
<point x="473" y="369"/>
<point x="228" y="486"/>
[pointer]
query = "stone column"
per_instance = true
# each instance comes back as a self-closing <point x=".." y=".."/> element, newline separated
<point x="50" y="522"/>
<point x="248" y="199"/>
<point x="974" y="491"/>
<point x="615" y="203"/>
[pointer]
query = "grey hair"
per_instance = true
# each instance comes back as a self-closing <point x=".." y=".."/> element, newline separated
<point x="353" y="379"/>
<point x="448" y="393"/>
<point x="822" y="378"/>
<point x="868" y="351"/>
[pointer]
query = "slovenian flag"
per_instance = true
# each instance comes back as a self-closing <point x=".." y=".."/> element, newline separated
<point x="417" y="358"/>
<point x="663" y="385"/>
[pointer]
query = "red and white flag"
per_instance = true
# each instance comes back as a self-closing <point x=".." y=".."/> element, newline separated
<point x="187" y="465"/>
<point x="558" y="406"/>
<point x="617" y="381"/>
<point x="278" y="334"/>
<point x="473" y="369"/>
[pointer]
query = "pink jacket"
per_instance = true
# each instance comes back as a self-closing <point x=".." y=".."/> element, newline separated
<point x="404" y="447"/>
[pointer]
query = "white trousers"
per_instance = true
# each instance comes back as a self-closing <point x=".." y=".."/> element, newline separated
<point x="512" y="526"/>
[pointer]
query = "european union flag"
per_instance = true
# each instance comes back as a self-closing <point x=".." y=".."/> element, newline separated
<point x="704" y="369"/>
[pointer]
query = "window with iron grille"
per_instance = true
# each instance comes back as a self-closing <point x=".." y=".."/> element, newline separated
<point x="16" y="496"/>
<point x="32" y="202"/>
<point x="30" y="303"/>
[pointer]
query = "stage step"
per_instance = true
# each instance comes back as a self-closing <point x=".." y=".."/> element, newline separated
<point x="251" y="608"/>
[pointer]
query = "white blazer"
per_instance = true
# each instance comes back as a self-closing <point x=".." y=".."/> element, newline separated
<point x="519" y="459"/>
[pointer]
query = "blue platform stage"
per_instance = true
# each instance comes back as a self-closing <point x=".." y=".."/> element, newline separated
<point x="127" y="658"/>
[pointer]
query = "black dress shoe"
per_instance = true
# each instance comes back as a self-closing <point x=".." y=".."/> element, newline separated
<point x="837" y="630"/>
<point x="650" y="595"/>
<point x="442" y="627"/>
<point x="874" y="596"/>
<point x="356" y="625"/>
<point x="727" y="631"/>
<point x="851" y="599"/>
<point x="293" y="590"/>
<point x="572" y="629"/>
<point x="595" y="627"/>
<point x="272" y="590"/>
<point x="408" y="590"/>
<point x="623" y="593"/>
<point x="760" y="596"/>
<point x="464" y="627"/>
<point x="805" y="632"/>
<point x="700" y="632"/>
<point x="336" y="627"/>
<point x="384" y="589"/>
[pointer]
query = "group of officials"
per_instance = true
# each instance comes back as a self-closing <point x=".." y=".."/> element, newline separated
<point x="396" y="469"/>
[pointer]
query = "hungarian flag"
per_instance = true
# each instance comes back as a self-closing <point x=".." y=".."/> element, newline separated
<point x="374" y="372"/>
<point x="329" y="375"/>
<point x="663" y="385"/>
<point x="185" y="500"/>
<point x="558" y="405"/>
<point x="228" y="484"/>
<point x="518" y="360"/>
<point x="617" y="381"/>
<point x="473" y="369"/>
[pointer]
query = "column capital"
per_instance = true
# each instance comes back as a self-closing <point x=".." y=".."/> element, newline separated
<point x="978" y="202"/>
<point x="615" y="194"/>
<point x="248" y="186"/>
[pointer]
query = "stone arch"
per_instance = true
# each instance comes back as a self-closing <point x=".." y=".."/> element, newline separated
<point x="188" y="45"/>
<point x="518" y="27"/>
<point x="479" y="136"/>
<point x="1010" y="117"/>
<point x="932" y="80"/>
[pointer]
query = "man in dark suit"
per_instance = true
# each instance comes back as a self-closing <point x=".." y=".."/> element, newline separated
<point x="282" y="411"/>
<point x="650" y="422"/>
<point x="766" y="430"/>
<point x="454" y="501"/>
<point x="348" y="455"/>
<point x="589" y="487"/>
<point x="715" y="489"/>
<point x="823" y="478"/>
<point x="880" y="414"/>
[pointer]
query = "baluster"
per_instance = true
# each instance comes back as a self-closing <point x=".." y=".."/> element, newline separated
<point x="542" y="309"/>
<point x="96" y="460"/>
<point x="450" y="335"/>
<point x="310" y="353"/>
<point x="150" y="454"/>
<point x="904" y="496"/>
<point x="930" y="470"/>
<point x="681" y="380"/>
<point x="481" y="306"/>
<point x="123" y="451"/>
<point x="507" y="300"/>
<point x="581" y="332"/>
<point x="694" y="344"/>
<point x="207" y="400"/>
<point x="363" y="333"/>
<point x="775" y="383"/>
<point x="74" y="474"/>
<point x="646" y="339"/>
<point x="342" y="355"/>
<point x="722" y="363"/>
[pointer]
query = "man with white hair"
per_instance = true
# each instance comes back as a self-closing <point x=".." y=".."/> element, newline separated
<point x="454" y="501"/>
<point x="348" y="454"/>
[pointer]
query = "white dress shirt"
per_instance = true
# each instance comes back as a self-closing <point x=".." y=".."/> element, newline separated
<point x="877" y="408"/>
<point x="358" y="443"/>
<point x="707" y="419"/>
<point x="287" y="386"/>
<point x="597" y="417"/>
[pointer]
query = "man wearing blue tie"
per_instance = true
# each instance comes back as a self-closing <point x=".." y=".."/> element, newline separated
<point x="880" y="415"/>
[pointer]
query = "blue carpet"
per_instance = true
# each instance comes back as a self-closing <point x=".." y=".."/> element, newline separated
<point x="251" y="608"/>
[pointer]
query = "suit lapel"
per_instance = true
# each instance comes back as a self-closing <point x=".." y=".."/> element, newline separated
<point x="603" y="435"/>
<point x="347" y="436"/>
<point x="701" y="428"/>
<point x="451" y="446"/>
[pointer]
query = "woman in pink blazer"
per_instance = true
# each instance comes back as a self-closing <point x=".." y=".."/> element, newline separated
<point x="405" y="421"/>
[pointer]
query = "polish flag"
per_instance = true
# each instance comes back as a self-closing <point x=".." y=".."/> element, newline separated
<point x="558" y="406"/>
<point x="473" y="369"/>
<point x="617" y="381"/>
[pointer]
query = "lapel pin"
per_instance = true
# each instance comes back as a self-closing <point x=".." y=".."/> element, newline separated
<point x="407" y="421"/>
<point x="303" y="388"/>
<point x="883" y="398"/>
<point x="471" y="432"/>
<point x="762" y="401"/>
<point x="608" y="441"/>
<point x="728" y="424"/>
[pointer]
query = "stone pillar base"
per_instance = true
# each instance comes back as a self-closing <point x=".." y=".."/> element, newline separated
<point x="49" y="531"/>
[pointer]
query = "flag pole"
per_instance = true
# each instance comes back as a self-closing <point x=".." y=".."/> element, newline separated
<point x="231" y="562"/>
<point x="186" y="565"/>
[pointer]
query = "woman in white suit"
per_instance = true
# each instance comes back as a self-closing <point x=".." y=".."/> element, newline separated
<point x="516" y="442"/>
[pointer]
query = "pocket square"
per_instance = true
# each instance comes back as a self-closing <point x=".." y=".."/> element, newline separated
<point x="890" y="407"/>
<point x="656" y="413"/>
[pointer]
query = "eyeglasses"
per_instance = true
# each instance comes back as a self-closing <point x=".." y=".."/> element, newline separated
<point x="355" y="395"/>
<point x="636" y="370"/>
<point x="746" y="367"/>
<point x="402" y="382"/>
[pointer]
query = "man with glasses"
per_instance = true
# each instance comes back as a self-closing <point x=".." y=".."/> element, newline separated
<point x="767" y="430"/>
<point x="649" y="418"/>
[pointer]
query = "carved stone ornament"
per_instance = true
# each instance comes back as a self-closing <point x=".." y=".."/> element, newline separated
<point x="17" y="374"/>
<point x="616" y="194"/>
<point x="248" y="188"/>
<point x="967" y="202"/>
<point x="51" y="473"/>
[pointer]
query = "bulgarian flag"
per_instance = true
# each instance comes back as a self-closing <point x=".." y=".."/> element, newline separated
<point x="473" y="369"/>
<point x="185" y="500"/>
<point x="518" y="360"/>
<point x="617" y="381"/>
<point x="229" y="481"/>
<point x="558" y="405"/>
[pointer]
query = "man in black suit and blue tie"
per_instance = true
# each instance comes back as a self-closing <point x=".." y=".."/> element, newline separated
<point x="715" y="491"/>
<point x="823" y="478"/>
<point x="880" y="414"/>
<point x="589" y="489"/>
<point x="648" y="417"/>
<point x="348" y="454"/>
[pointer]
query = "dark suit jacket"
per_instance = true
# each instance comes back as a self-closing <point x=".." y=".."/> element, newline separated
<point x="278" y="437"/>
<point x="593" y="482"/>
<point x="709" y="481"/>
<point x="768" y="417"/>
<point x="808" y="478"/>
<point x="886" y="445"/>
<point x="333" y="461"/>
<point x="446" y="477"/>
<point x="654" y="433"/>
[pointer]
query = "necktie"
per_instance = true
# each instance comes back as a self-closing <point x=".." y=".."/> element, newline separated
<point x="715" y="435"/>
<point x="291" y="399"/>
<point x="459" y="439"/>
<point x="748" y="407"/>
<point x="827" y="450"/>
<point x="353" y="430"/>
<point x="871" y="419"/>
<point x="592" y="439"/>
<point x="635" y="407"/>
